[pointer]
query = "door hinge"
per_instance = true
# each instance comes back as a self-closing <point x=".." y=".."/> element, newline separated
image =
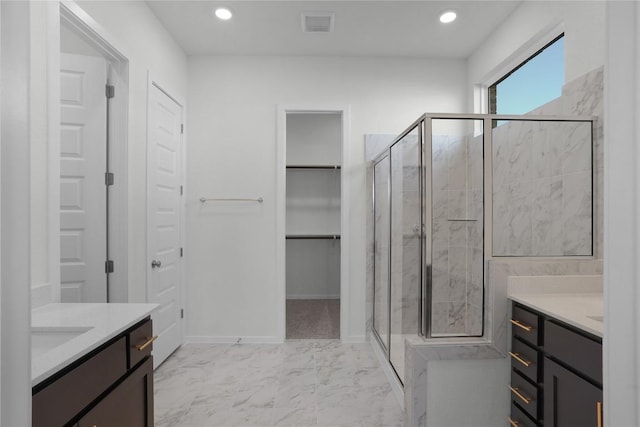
<point x="181" y="127"/>
<point x="108" y="266"/>
<point x="181" y="253"/>
<point x="181" y="190"/>
<point x="182" y="313"/>
<point x="108" y="178"/>
<point x="110" y="91"/>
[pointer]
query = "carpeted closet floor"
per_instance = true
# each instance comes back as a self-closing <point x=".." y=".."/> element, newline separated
<point x="313" y="319"/>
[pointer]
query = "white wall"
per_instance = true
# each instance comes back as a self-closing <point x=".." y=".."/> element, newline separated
<point x="313" y="201"/>
<point x="529" y="28"/>
<point x="231" y="263"/>
<point x="313" y="269"/>
<point x="622" y="210"/>
<point x="149" y="47"/>
<point x="314" y="138"/>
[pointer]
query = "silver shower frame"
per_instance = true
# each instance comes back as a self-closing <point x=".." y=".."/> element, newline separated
<point x="424" y="126"/>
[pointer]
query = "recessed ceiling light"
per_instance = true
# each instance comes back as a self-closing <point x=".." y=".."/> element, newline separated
<point x="223" y="13"/>
<point x="448" y="16"/>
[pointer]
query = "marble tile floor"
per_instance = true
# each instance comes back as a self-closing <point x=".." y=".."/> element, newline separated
<point x="299" y="383"/>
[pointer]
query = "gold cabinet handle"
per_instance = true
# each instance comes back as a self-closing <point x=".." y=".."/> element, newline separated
<point x="147" y="343"/>
<point x="517" y="357"/>
<point x="521" y="325"/>
<point x="522" y="397"/>
<point x="599" y="413"/>
<point x="512" y="422"/>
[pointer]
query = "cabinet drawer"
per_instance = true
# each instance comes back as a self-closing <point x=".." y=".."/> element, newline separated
<point x="525" y="324"/>
<point x="525" y="359"/>
<point x="140" y="343"/>
<point x="575" y="350"/>
<point x="519" y="419"/>
<point x="525" y="394"/>
<point x="60" y="401"/>
<point x="130" y="404"/>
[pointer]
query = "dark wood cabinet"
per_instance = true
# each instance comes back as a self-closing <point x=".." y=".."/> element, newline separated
<point x="581" y="352"/>
<point x="556" y="372"/>
<point x="57" y="400"/>
<point x="519" y="418"/>
<point x="130" y="404"/>
<point x="110" y="386"/>
<point x="570" y="400"/>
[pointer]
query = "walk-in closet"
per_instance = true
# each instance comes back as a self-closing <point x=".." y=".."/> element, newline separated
<point x="313" y="188"/>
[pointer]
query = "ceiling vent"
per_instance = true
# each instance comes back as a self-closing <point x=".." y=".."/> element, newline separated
<point x="317" y="22"/>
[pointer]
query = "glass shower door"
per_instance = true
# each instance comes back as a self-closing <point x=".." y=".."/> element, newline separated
<point x="406" y="238"/>
<point x="456" y="284"/>
<point x="382" y="217"/>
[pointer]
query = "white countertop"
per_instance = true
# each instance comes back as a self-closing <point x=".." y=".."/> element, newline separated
<point x="102" y="321"/>
<point x="570" y="299"/>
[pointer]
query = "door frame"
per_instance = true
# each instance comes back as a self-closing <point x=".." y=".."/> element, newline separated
<point x="345" y="200"/>
<point x="117" y="75"/>
<point x="16" y="122"/>
<point x="151" y="82"/>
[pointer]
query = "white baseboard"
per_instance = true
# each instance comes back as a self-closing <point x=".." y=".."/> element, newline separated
<point x="394" y="382"/>
<point x="203" y="339"/>
<point x="319" y="296"/>
<point x="353" y="339"/>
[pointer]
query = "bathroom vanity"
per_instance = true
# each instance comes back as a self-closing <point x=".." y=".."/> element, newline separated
<point x="92" y="365"/>
<point x="556" y="360"/>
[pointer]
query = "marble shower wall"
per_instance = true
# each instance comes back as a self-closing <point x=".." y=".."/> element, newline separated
<point x="457" y="235"/>
<point x="547" y="185"/>
<point x="585" y="96"/>
<point x="542" y="189"/>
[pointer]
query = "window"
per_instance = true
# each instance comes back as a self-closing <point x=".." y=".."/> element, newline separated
<point x="531" y="84"/>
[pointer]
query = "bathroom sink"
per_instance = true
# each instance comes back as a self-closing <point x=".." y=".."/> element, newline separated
<point x="44" y="339"/>
<point x="596" y="318"/>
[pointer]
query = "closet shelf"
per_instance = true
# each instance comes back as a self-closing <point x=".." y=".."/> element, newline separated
<point x="329" y="167"/>
<point x="312" y="236"/>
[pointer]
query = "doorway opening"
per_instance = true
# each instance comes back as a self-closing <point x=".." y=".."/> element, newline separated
<point x="313" y="246"/>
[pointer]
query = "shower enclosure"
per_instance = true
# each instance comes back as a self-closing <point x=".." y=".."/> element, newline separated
<point x="454" y="190"/>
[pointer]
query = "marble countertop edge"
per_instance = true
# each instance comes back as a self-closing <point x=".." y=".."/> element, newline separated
<point x="575" y="309"/>
<point x="103" y="321"/>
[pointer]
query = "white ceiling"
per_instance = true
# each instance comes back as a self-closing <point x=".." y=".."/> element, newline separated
<point x="362" y="28"/>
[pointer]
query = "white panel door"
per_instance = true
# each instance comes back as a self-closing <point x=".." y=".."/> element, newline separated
<point x="83" y="163"/>
<point x="163" y="221"/>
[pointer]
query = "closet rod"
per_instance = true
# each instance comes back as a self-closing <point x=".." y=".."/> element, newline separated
<point x="204" y="200"/>
<point x="313" y="167"/>
<point x="313" y="237"/>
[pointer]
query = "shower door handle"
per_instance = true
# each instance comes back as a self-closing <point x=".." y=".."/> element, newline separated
<point x="155" y="264"/>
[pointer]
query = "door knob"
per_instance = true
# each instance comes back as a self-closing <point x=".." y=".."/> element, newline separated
<point x="155" y="264"/>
